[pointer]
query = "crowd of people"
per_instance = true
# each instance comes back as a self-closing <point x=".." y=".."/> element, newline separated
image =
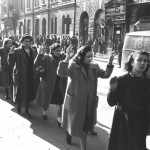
<point x="62" y="73"/>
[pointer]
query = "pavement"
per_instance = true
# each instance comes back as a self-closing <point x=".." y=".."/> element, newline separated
<point x="19" y="133"/>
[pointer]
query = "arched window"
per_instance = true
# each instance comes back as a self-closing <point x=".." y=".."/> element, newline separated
<point x="68" y="24"/>
<point x="63" y="25"/>
<point x="52" y="27"/>
<point x="55" y="25"/>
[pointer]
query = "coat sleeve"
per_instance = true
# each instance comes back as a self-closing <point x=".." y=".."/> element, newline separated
<point x="39" y="60"/>
<point x="11" y="59"/>
<point x="105" y="73"/>
<point x="64" y="69"/>
<point x="118" y="95"/>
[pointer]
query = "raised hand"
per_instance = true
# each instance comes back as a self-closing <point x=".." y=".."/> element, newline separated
<point x="111" y="58"/>
<point x="42" y="49"/>
<point x="70" y="52"/>
<point x="12" y="48"/>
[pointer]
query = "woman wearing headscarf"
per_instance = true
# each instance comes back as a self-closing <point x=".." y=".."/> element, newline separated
<point x="81" y="100"/>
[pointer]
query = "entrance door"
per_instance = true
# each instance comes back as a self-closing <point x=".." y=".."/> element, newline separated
<point x="119" y="33"/>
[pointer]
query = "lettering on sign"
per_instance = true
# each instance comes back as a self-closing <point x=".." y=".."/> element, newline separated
<point x="115" y="8"/>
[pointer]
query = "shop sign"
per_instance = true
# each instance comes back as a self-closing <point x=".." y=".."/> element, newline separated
<point x="115" y="9"/>
<point x="115" y="18"/>
<point x="141" y="1"/>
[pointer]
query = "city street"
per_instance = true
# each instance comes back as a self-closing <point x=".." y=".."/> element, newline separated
<point x="18" y="133"/>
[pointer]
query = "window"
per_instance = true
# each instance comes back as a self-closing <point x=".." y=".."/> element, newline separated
<point x="5" y="8"/>
<point x="63" y="25"/>
<point x="21" y="5"/>
<point x="55" y="25"/>
<point x="28" y="4"/>
<point x="68" y="24"/>
<point x="36" y="3"/>
<point x="53" y="1"/>
<point x="28" y="26"/>
<point x="52" y="25"/>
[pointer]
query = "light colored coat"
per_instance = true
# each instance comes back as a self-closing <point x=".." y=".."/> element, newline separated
<point x="80" y="93"/>
<point x="47" y="83"/>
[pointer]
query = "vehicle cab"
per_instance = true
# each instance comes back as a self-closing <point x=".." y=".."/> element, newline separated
<point x="134" y="41"/>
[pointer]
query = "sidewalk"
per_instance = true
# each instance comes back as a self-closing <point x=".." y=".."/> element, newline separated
<point x="18" y="133"/>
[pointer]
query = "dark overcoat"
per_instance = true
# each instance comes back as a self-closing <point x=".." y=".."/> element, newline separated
<point x="21" y="83"/>
<point x="5" y="73"/>
<point x="81" y="95"/>
<point x="47" y="83"/>
<point x="130" y="121"/>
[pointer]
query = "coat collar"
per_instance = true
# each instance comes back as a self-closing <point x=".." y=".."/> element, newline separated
<point x="91" y="66"/>
<point x="22" y="52"/>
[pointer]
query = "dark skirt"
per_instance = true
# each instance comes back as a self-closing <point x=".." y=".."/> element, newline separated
<point x="57" y="97"/>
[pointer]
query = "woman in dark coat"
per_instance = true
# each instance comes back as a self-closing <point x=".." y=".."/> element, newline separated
<point x="21" y="60"/>
<point x="131" y="93"/>
<point x="52" y="87"/>
<point x="81" y="100"/>
<point x="5" y="72"/>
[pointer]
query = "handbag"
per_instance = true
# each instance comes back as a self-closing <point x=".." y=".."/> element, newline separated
<point x="40" y="71"/>
<point x="119" y="133"/>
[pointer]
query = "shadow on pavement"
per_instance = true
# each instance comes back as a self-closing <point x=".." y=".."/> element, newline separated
<point x="49" y="131"/>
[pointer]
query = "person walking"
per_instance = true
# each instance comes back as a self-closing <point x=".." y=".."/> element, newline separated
<point x="52" y="87"/>
<point x="21" y="60"/>
<point x="81" y="100"/>
<point x="95" y="46"/>
<point x="119" y="51"/>
<point x="130" y="93"/>
<point x="5" y="70"/>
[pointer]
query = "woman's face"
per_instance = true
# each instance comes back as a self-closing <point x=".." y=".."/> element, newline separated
<point x="9" y="44"/>
<point x="57" y="52"/>
<point x="26" y="42"/>
<point x="139" y="63"/>
<point x="88" y="57"/>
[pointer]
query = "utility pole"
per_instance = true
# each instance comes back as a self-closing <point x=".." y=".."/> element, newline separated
<point x="33" y="30"/>
<point x="74" y="28"/>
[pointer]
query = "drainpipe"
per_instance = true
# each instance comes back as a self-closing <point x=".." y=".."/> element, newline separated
<point x="33" y="30"/>
<point x="74" y="17"/>
<point x="48" y="17"/>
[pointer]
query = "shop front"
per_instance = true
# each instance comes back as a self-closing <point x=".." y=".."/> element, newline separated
<point x="115" y="18"/>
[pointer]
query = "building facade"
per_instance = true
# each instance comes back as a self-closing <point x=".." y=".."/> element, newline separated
<point x="90" y="18"/>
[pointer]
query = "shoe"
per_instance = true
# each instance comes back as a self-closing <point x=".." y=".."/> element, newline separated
<point x="68" y="138"/>
<point x="27" y="115"/>
<point x="44" y="117"/>
<point x="19" y="109"/>
<point x="93" y="133"/>
<point x="58" y="123"/>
